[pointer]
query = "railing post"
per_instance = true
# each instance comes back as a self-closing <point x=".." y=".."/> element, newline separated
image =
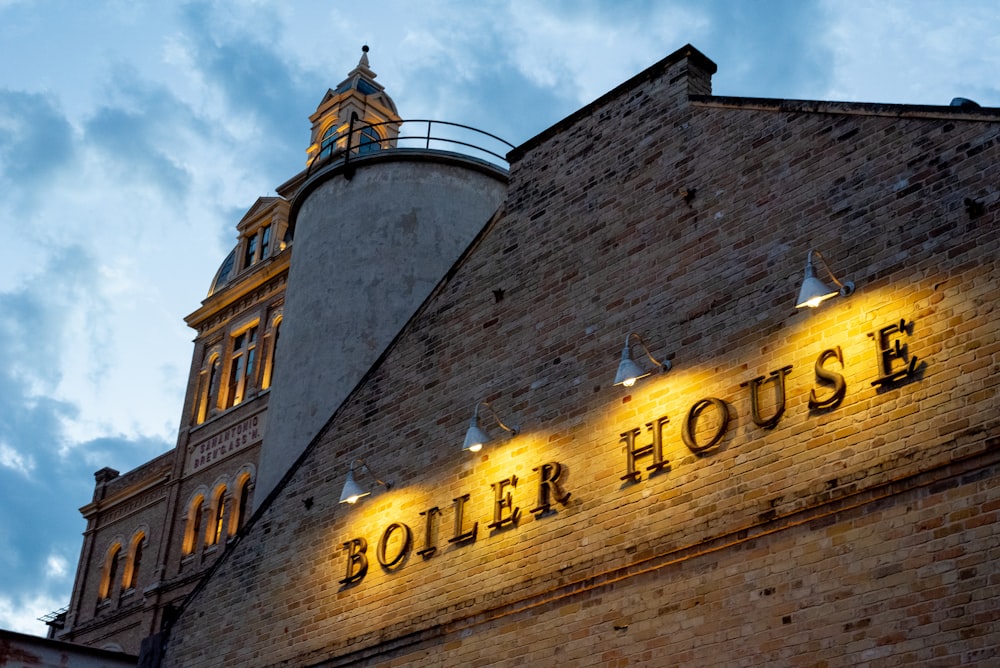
<point x="428" y="144"/>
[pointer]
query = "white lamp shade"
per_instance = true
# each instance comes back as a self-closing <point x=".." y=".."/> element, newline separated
<point x="628" y="371"/>
<point x="352" y="490"/>
<point x="814" y="291"/>
<point x="475" y="438"/>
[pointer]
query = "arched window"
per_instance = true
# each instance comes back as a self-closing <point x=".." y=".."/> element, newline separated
<point x="370" y="141"/>
<point x="218" y="517"/>
<point x="242" y="508"/>
<point x="269" y="370"/>
<point x="110" y="572"/>
<point x="208" y="381"/>
<point x="193" y="525"/>
<point x="328" y="143"/>
<point x="135" y="561"/>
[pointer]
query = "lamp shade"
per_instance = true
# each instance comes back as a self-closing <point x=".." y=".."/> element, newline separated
<point x="628" y="371"/>
<point x="814" y="291"/>
<point x="475" y="437"/>
<point x="352" y="490"/>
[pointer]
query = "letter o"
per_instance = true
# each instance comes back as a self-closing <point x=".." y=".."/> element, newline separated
<point x="383" y="542"/>
<point x="687" y="433"/>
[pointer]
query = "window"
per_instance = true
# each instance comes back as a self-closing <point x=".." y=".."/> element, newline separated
<point x="193" y="525"/>
<point x="370" y="141"/>
<point x="207" y="390"/>
<point x="241" y="366"/>
<point x="219" y="516"/>
<point x="135" y="561"/>
<point x="110" y="572"/>
<point x="269" y="372"/>
<point x="328" y="143"/>
<point x="244" y="502"/>
<point x="250" y="251"/>
<point x="265" y="241"/>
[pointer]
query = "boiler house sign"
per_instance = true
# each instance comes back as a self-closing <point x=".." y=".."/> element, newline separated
<point x="893" y="363"/>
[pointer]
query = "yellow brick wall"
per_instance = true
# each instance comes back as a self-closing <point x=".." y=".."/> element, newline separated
<point x="863" y="533"/>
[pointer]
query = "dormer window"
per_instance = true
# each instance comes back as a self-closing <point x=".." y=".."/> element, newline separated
<point x="250" y="252"/>
<point x="265" y="241"/>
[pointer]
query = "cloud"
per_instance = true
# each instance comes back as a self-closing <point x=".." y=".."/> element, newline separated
<point x="916" y="52"/>
<point x="36" y="142"/>
<point x="14" y="460"/>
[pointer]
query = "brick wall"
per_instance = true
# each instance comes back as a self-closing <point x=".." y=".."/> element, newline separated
<point x="863" y="532"/>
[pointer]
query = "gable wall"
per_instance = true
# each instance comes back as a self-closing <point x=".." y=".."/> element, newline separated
<point x="849" y="534"/>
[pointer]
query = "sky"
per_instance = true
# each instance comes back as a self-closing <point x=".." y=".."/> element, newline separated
<point x="134" y="135"/>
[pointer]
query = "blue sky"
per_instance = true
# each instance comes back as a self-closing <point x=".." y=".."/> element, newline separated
<point x="134" y="135"/>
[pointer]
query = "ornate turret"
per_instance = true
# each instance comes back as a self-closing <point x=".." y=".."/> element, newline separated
<point x="361" y="99"/>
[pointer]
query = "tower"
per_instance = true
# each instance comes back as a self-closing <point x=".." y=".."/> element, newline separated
<point x="375" y="229"/>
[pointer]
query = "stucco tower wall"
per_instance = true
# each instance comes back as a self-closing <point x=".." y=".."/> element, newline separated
<point x="368" y="252"/>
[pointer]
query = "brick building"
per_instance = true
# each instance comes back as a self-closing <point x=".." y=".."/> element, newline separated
<point x="803" y="486"/>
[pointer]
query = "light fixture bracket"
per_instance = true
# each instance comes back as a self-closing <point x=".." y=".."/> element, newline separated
<point x="629" y="371"/>
<point x="476" y="437"/>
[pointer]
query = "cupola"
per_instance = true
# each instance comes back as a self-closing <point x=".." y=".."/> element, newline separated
<point x="360" y="99"/>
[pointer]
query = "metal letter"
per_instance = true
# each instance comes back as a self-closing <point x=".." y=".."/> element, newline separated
<point x="779" y="397"/>
<point x="655" y="448"/>
<point x="504" y="502"/>
<point x="459" y="536"/>
<point x="404" y="549"/>
<point x="357" y="562"/>
<point x="889" y="350"/>
<point x="687" y="433"/>
<point x="839" y="386"/>
<point x="549" y="488"/>
<point x="429" y="548"/>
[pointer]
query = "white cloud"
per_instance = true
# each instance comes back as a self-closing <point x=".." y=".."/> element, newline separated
<point x="16" y="461"/>
<point x="914" y="52"/>
<point x="21" y="614"/>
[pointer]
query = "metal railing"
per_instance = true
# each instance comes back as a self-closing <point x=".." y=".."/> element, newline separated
<point x="365" y="139"/>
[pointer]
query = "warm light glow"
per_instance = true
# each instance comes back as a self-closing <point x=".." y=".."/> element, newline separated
<point x="629" y="382"/>
<point x="476" y="447"/>
<point x="351" y="499"/>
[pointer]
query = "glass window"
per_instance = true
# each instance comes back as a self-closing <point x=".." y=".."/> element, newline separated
<point x="250" y="251"/>
<point x="327" y="144"/>
<point x="370" y="141"/>
<point x="220" y="512"/>
<point x="133" y="577"/>
<point x="111" y="566"/>
<point x="265" y="241"/>
<point x="194" y="526"/>
<point x="241" y="366"/>
<point x="269" y="372"/>
<point x="243" y="504"/>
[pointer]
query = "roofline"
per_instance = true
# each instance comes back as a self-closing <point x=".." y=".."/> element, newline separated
<point x="339" y="168"/>
<point x="987" y="114"/>
<point x="651" y="72"/>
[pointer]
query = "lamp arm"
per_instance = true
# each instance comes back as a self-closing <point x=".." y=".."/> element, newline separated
<point x="663" y="365"/>
<point x="845" y="288"/>
<point x="374" y="477"/>
<point x="513" y="430"/>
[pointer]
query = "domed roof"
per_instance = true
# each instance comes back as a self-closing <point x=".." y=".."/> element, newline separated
<point x="225" y="273"/>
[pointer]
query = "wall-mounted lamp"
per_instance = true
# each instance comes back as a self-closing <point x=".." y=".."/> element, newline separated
<point x="629" y="371"/>
<point x="815" y="291"/>
<point x="476" y="437"/>
<point x="352" y="490"/>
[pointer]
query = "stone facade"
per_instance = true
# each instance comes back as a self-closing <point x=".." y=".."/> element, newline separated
<point x="804" y="487"/>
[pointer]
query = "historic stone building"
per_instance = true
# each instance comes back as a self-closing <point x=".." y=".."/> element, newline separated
<point x="790" y="486"/>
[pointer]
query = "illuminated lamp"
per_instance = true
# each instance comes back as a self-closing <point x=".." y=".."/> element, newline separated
<point x="352" y="490"/>
<point x="476" y="437"/>
<point x="814" y="291"/>
<point x="629" y="371"/>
